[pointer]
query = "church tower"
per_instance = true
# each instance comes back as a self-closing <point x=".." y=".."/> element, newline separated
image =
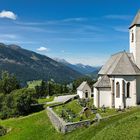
<point x="134" y="38"/>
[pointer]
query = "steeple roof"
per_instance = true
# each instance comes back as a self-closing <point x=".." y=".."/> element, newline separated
<point x="136" y="20"/>
<point x="120" y="64"/>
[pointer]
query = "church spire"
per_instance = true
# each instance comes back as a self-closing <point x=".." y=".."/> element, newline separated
<point x="136" y="20"/>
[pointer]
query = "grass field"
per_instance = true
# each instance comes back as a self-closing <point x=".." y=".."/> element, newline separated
<point x="37" y="126"/>
<point x="44" y="100"/>
<point x="33" y="84"/>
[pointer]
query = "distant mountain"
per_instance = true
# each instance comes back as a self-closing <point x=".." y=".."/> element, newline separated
<point x="28" y="65"/>
<point x="84" y="69"/>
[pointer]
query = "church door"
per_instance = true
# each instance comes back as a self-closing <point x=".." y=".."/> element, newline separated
<point x="86" y="94"/>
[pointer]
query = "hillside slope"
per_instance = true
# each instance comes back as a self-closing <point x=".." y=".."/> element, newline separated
<point x="28" y="65"/>
<point x="38" y="127"/>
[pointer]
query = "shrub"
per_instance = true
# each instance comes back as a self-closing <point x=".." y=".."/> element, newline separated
<point x="23" y="99"/>
<point x="18" y="102"/>
<point x="2" y="131"/>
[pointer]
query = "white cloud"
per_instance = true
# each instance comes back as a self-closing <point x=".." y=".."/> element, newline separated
<point x="9" y="36"/>
<point x="62" y="51"/>
<point x="118" y="17"/>
<point x="8" y="14"/>
<point x="43" y="49"/>
<point x="52" y="22"/>
<point x="77" y="19"/>
<point x="121" y="28"/>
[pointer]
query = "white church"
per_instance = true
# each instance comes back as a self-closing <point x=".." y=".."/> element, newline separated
<point x="118" y="84"/>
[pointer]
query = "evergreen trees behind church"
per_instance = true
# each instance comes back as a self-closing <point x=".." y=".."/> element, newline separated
<point x="51" y="88"/>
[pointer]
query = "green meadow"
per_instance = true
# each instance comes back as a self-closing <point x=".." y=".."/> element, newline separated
<point x="125" y="126"/>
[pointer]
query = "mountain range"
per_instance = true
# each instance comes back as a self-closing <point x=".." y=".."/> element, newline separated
<point x="83" y="69"/>
<point x="28" y="65"/>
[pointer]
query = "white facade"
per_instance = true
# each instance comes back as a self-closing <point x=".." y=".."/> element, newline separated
<point x="104" y="96"/>
<point x="124" y="101"/>
<point x="134" y="40"/>
<point x="84" y="92"/>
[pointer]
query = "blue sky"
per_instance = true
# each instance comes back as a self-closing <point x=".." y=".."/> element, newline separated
<point x="80" y="31"/>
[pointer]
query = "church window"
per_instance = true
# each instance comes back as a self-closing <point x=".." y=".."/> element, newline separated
<point x="128" y="90"/>
<point x="117" y="89"/>
<point x="123" y="87"/>
<point x="132" y="37"/>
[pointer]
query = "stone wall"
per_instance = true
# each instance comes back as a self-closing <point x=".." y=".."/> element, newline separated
<point x="57" y="122"/>
<point x="61" y="125"/>
<point x="71" y="126"/>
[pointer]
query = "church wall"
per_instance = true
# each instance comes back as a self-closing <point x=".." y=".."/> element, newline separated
<point x="131" y="101"/>
<point x="96" y="97"/>
<point x="80" y="93"/>
<point x="132" y="44"/>
<point x="138" y="46"/>
<point x="138" y="89"/>
<point x="105" y="97"/>
<point x="135" y="44"/>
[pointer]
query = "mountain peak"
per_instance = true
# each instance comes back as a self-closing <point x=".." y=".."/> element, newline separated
<point x="83" y="69"/>
<point x="61" y="60"/>
<point x="13" y="46"/>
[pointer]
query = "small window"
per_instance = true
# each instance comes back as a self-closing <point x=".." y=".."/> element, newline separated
<point x="117" y="89"/>
<point x="132" y="37"/>
<point x="128" y="90"/>
<point x="123" y="87"/>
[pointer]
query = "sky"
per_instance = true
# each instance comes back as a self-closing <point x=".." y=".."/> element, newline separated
<point x="79" y="31"/>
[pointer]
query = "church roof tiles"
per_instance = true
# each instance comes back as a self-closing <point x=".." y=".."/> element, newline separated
<point x="104" y="82"/>
<point x="120" y="64"/>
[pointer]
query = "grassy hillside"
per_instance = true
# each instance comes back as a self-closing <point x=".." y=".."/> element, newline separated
<point x="38" y="127"/>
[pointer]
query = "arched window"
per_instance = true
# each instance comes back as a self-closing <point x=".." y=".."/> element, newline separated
<point x="117" y="89"/>
<point x="132" y="37"/>
<point x="128" y="90"/>
<point x="123" y="87"/>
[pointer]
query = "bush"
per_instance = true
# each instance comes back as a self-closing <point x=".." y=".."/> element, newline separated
<point x="3" y="131"/>
<point x="23" y="99"/>
<point x="82" y="102"/>
<point x="18" y="102"/>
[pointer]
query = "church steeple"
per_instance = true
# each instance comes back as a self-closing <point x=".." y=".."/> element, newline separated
<point x="134" y="38"/>
<point x="136" y="20"/>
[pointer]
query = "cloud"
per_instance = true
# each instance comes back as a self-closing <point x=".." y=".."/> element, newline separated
<point x="43" y="49"/>
<point x="62" y="51"/>
<point x="9" y="36"/>
<point x="77" y="19"/>
<point x="121" y="29"/>
<point x="8" y="14"/>
<point x="51" y="22"/>
<point x="117" y="17"/>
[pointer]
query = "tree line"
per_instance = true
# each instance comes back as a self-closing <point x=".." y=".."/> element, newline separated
<point x="16" y="100"/>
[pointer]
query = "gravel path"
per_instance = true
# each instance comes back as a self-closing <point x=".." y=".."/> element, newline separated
<point x="61" y="99"/>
